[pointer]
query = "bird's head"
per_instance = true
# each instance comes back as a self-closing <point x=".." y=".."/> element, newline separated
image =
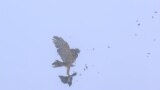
<point x="77" y="50"/>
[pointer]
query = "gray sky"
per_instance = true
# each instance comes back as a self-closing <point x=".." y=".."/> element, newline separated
<point x="124" y="34"/>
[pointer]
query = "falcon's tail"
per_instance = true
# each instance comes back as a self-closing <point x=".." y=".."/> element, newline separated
<point x="57" y="64"/>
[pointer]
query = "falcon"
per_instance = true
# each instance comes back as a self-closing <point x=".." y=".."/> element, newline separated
<point x="68" y="55"/>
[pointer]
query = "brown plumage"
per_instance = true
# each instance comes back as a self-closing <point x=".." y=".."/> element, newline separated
<point x="67" y="55"/>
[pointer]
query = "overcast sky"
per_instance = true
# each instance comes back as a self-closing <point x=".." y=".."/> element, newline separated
<point x="119" y="42"/>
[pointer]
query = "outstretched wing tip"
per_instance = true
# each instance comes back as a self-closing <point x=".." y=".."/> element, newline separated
<point x="59" y="42"/>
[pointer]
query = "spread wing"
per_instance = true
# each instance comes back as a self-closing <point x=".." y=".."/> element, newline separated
<point x="63" y="49"/>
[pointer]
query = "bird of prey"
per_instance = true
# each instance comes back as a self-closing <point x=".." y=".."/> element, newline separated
<point x="67" y="55"/>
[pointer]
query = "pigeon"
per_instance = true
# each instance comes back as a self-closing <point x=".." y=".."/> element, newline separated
<point x="67" y="79"/>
